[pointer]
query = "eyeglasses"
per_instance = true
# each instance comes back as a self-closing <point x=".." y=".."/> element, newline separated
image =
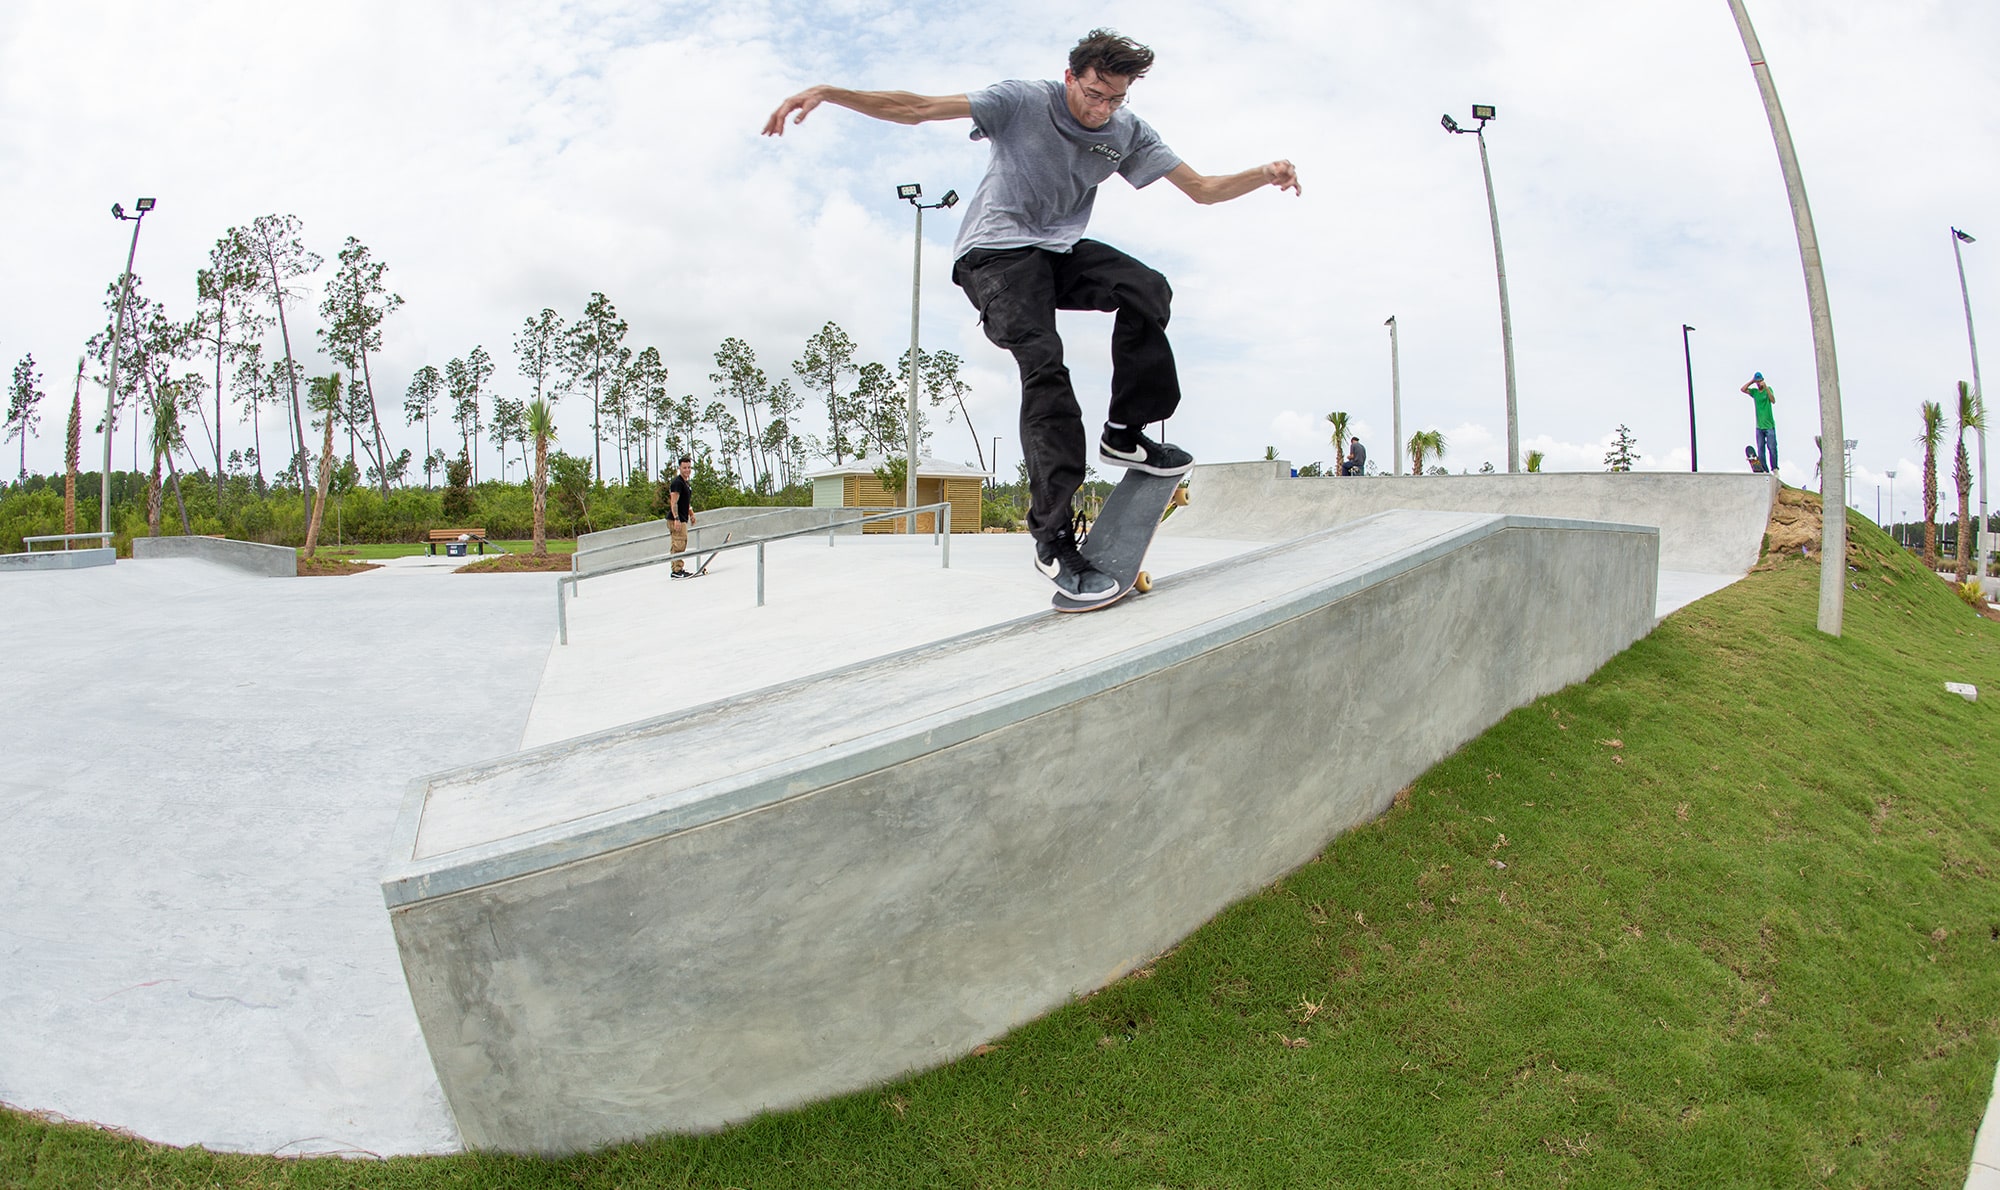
<point x="1098" y="97"/>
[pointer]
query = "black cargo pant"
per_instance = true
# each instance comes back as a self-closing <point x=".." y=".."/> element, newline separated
<point x="1017" y="292"/>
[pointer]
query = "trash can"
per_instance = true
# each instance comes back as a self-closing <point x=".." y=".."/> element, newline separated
<point x="454" y="549"/>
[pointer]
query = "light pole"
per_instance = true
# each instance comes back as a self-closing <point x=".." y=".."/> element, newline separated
<point x="912" y="193"/>
<point x="117" y="338"/>
<point x="1978" y="402"/>
<point x="1892" y="504"/>
<point x="1483" y="112"/>
<point x="1395" y="402"/>
<point x="995" y="456"/>
<point x="1833" y="503"/>
<point x="1694" y="459"/>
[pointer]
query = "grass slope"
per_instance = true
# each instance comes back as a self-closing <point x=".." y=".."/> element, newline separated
<point x="1722" y="915"/>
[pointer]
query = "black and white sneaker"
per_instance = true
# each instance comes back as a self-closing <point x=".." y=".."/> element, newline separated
<point x="1129" y="448"/>
<point x="1072" y="575"/>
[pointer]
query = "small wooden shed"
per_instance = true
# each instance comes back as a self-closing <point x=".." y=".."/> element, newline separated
<point x="855" y="485"/>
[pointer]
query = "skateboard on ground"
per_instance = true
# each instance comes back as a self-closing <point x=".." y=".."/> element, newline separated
<point x="1116" y="543"/>
<point x="703" y="569"/>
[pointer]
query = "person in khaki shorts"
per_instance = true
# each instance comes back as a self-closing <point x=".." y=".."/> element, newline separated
<point x="680" y="512"/>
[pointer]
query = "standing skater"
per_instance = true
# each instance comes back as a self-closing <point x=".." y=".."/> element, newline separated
<point x="1760" y="394"/>
<point x="1021" y="256"/>
<point x="680" y="514"/>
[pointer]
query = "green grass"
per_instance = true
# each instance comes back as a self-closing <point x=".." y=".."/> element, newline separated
<point x="376" y="551"/>
<point x="1747" y="933"/>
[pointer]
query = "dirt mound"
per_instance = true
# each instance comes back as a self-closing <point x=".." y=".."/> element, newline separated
<point x="518" y="564"/>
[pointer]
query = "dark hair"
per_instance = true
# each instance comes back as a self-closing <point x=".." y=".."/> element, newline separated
<point x="685" y="459"/>
<point x="1111" y="55"/>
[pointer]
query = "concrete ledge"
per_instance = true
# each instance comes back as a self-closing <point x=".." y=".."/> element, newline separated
<point x="806" y="890"/>
<point x="651" y="539"/>
<point x="59" y="559"/>
<point x="269" y="561"/>
<point x="1708" y="523"/>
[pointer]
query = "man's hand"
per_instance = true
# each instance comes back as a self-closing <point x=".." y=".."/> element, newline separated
<point x="1207" y="190"/>
<point x="1284" y="176"/>
<point x="803" y="103"/>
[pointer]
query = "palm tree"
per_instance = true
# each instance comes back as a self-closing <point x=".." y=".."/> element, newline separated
<point x="1933" y="435"/>
<point x="1425" y="444"/>
<point x="1970" y="417"/>
<point x="542" y="426"/>
<point x="1339" y="421"/>
<point x="1535" y="458"/>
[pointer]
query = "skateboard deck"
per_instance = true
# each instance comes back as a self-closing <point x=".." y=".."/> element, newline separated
<point x="702" y="569"/>
<point x="1117" y="542"/>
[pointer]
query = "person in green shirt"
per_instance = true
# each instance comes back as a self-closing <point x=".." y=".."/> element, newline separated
<point x="1760" y="394"/>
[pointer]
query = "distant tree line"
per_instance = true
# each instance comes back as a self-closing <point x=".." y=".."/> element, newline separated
<point x="195" y="386"/>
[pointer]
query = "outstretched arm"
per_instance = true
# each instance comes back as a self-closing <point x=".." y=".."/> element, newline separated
<point x="897" y="107"/>
<point x="1205" y="189"/>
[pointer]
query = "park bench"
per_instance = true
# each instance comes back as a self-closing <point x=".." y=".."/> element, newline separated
<point x="448" y="536"/>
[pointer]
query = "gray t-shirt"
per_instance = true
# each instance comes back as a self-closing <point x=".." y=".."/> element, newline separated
<point x="1043" y="176"/>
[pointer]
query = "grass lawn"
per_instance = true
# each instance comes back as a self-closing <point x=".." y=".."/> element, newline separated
<point x="1724" y="914"/>
<point x="374" y="551"/>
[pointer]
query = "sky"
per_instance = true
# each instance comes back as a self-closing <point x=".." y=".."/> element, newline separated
<point x="508" y="155"/>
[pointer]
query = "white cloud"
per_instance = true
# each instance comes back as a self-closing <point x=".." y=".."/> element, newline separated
<point x="505" y="157"/>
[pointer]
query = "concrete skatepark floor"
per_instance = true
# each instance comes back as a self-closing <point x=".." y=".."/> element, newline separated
<point x="208" y="766"/>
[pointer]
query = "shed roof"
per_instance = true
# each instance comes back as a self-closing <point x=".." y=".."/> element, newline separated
<point x="927" y="468"/>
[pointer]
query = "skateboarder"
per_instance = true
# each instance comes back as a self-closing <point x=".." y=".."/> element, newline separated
<point x="1021" y="256"/>
<point x="1759" y="391"/>
<point x="680" y="513"/>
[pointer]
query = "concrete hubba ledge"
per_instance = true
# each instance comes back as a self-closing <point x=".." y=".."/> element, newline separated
<point x="269" y="561"/>
<point x="1708" y="523"/>
<point x="651" y="539"/>
<point x="804" y="891"/>
<point x="59" y="559"/>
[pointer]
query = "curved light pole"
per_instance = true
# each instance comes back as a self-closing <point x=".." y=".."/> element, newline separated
<point x="1395" y="402"/>
<point x="1687" y="353"/>
<point x="1833" y="488"/>
<point x="117" y="338"/>
<point x="1978" y="402"/>
<point x="912" y="192"/>
<point x="1483" y="112"/>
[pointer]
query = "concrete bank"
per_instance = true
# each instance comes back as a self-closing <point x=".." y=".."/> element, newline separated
<point x="805" y="890"/>
<point x="267" y="561"/>
<point x="59" y="559"/>
<point x="1708" y="523"/>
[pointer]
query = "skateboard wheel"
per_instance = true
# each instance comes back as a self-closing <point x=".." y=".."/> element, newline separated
<point x="1143" y="583"/>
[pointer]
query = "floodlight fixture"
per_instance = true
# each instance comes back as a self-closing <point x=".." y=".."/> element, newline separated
<point x="1482" y="111"/>
<point x="143" y="205"/>
<point x="1450" y="125"/>
<point x="950" y="199"/>
<point x="1962" y="237"/>
<point x="909" y="190"/>
<point x="117" y="210"/>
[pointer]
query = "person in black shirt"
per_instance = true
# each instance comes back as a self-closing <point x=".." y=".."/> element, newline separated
<point x="680" y="512"/>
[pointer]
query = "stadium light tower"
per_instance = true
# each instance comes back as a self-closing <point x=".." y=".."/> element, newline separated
<point x="117" y="338"/>
<point x="913" y="194"/>
<point x="1483" y="112"/>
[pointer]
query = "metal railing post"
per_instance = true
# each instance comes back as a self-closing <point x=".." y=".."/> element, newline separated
<point x="946" y="519"/>
<point x="760" y="574"/>
<point x="562" y="615"/>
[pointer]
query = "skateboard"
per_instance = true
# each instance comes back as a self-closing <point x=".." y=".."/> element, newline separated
<point x="1116" y="543"/>
<point x="702" y="569"/>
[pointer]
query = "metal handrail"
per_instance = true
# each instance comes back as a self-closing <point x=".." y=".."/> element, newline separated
<point x="940" y="533"/>
<point x="65" y="538"/>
